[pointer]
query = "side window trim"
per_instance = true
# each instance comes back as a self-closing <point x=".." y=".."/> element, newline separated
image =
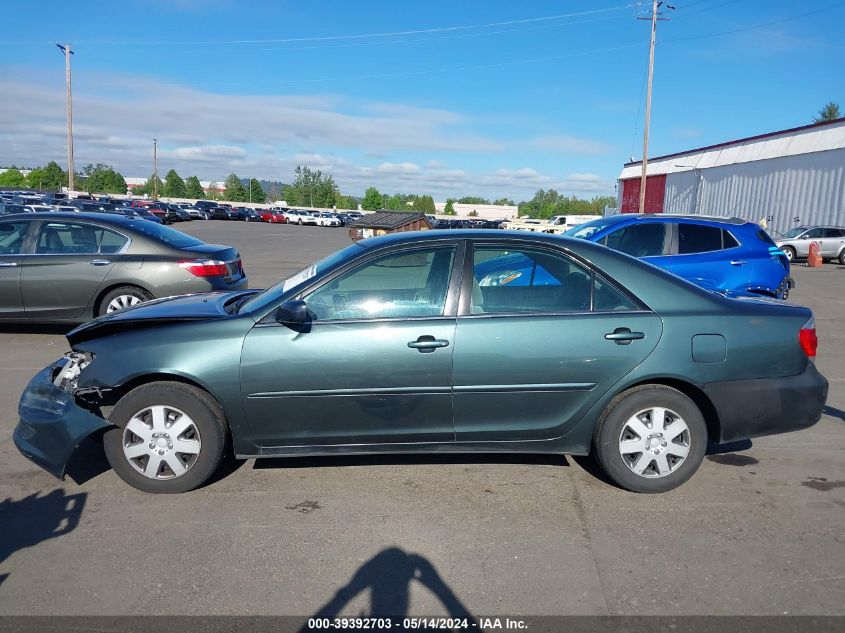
<point x="453" y="290"/>
<point x="464" y="307"/>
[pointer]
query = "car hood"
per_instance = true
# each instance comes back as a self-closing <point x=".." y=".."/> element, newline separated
<point x="166" y="311"/>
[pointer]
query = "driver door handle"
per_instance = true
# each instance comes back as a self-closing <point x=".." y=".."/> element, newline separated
<point x="427" y="343"/>
<point x="737" y="262"/>
<point x="99" y="262"/>
<point x="623" y="336"/>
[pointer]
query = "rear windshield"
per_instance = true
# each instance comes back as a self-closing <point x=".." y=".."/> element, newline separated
<point x="169" y="236"/>
<point x="584" y="231"/>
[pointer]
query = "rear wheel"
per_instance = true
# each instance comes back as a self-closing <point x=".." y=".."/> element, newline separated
<point x="789" y="252"/>
<point x="168" y="437"/>
<point x="122" y="297"/>
<point x="842" y="257"/>
<point x="650" y="439"/>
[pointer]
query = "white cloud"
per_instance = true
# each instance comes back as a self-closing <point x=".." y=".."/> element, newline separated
<point x="212" y="135"/>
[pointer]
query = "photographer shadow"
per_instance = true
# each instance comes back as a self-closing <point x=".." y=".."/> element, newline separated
<point x="388" y="577"/>
<point x="35" y="519"/>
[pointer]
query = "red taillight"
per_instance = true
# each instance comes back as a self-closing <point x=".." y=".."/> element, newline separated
<point x="206" y="267"/>
<point x="807" y="338"/>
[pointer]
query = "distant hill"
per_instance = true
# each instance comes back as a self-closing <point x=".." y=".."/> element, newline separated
<point x="273" y="188"/>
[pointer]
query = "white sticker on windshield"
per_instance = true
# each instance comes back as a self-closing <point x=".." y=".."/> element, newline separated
<point x="298" y="278"/>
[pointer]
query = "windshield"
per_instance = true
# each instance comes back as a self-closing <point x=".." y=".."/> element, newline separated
<point x="584" y="231"/>
<point x="798" y="230"/>
<point x="165" y="234"/>
<point x="273" y="293"/>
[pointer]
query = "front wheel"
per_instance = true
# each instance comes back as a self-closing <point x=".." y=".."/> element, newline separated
<point x="789" y="252"/>
<point x="168" y="437"/>
<point x="650" y="439"/>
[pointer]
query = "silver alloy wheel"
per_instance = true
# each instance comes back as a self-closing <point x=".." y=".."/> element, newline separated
<point x="790" y="254"/>
<point x="122" y="301"/>
<point x="654" y="442"/>
<point x="161" y="442"/>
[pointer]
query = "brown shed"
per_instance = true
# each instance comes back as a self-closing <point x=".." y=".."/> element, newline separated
<point x="384" y="222"/>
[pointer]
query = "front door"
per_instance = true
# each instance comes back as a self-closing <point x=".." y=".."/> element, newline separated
<point x="375" y="367"/>
<point x="13" y="235"/>
<point x="544" y="339"/>
<point x="70" y="261"/>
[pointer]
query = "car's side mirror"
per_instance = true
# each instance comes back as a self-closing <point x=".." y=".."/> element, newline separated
<point x="294" y="314"/>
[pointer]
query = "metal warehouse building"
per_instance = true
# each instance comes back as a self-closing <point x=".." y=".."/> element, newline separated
<point x="791" y="178"/>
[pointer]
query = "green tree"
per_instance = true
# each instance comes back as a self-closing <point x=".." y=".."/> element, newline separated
<point x="830" y="112"/>
<point x="545" y="204"/>
<point x="473" y="200"/>
<point x="213" y="191"/>
<point x="193" y="188"/>
<point x="12" y="177"/>
<point x="504" y="202"/>
<point x="147" y="188"/>
<point x="449" y="209"/>
<point x="424" y="204"/>
<point x="234" y="190"/>
<point x="256" y="192"/>
<point x="372" y="200"/>
<point x="345" y="202"/>
<point x="102" y="178"/>
<point x="174" y="186"/>
<point x="53" y="177"/>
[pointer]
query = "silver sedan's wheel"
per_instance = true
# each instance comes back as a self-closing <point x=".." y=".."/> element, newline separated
<point x="122" y="301"/>
<point x="654" y="442"/>
<point x="161" y="442"/>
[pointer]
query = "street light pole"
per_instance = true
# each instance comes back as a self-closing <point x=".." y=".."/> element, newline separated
<point x="155" y="169"/>
<point x="654" y="19"/>
<point x="70" y="172"/>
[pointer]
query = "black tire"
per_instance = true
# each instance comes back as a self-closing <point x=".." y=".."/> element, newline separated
<point x="622" y="408"/>
<point x="198" y="405"/>
<point x="789" y="252"/>
<point x="299" y="222"/>
<point x="842" y="257"/>
<point x="121" y="291"/>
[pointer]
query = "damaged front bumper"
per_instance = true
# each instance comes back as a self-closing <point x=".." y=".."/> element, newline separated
<point x="52" y="424"/>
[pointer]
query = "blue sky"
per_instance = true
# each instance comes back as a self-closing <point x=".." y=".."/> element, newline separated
<point x="490" y="98"/>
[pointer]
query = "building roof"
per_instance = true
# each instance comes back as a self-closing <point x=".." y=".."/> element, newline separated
<point x="817" y="137"/>
<point x="387" y="220"/>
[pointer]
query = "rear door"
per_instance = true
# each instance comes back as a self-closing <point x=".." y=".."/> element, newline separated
<point x="540" y="338"/>
<point x="709" y="256"/>
<point x="13" y="246"/>
<point x="833" y="240"/>
<point x="70" y="261"/>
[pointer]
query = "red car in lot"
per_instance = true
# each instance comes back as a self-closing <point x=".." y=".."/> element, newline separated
<point x="272" y="215"/>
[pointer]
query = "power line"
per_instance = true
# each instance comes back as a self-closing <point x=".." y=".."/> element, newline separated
<point x="360" y="35"/>
<point x="797" y="16"/>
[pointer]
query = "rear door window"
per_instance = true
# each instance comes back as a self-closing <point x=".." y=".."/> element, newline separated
<point x="698" y="238"/>
<point x="77" y="238"/>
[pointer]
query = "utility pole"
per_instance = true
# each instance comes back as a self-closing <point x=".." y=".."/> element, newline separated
<point x="70" y="173"/>
<point x="655" y="17"/>
<point x="155" y="169"/>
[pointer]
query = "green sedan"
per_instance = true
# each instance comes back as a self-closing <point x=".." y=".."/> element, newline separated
<point x="463" y="341"/>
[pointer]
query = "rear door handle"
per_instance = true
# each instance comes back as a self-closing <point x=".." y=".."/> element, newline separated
<point x="100" y="262"/>
<point x="737" y="262"/>
<point x="623" y="336"/>
<point x="427" y="343"/>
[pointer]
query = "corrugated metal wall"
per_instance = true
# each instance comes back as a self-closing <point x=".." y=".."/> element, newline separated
<point x="810" y="187"/>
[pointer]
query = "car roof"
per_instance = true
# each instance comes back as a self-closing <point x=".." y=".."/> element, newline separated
<point x="103" y="218"/>
<point x="627" y="217"/>
<point x="484" y="234"/>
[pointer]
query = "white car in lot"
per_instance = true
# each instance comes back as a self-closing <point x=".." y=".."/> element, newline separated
<point x="327" y="219"/>
<point x="298" y="216"/>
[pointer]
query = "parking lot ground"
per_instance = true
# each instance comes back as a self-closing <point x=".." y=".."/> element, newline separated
<point x="758" y="530"/>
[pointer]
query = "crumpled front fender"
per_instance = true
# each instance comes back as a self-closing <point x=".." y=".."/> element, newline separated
<point x="51" y="423"/>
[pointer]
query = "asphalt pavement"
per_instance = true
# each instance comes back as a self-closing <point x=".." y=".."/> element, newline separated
<point x="758" y="530"/>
